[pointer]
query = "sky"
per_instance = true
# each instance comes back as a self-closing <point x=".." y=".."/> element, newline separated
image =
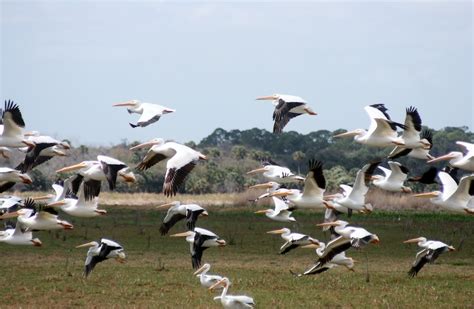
<point x="66" y="62"/>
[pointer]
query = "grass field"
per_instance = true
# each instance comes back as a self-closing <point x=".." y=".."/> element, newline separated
<point x="158" y="272"/>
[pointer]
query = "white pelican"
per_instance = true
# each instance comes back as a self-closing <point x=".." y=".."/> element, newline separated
<point x="393" y="179"/>
<point x="199" y="240"/>
<point x="293" y="240"/>
<point x="45" y="148"/>
<point x="354" y="197"/>
<point x="92" y="173"/>
<point x="454" y="197"/>
<point x="422" y="153"/>
<point x="281" y="213"/>
<point x="9" y="202"/>
<point x="181" y="161"/>
<point x="13" y="235"/>
<point x="13" y="124"/>
<point x="458" y="159"/>
<point x="206" y="280"/>
<point x="339" y="259"/>
<point x="149" y="112"/>
<point x="382" y="131"/>
<point x="314" y="187"/>
<point x="177" y="212"/>
<point x="270" y="187"/>
<point x="232" y="301"/>
<point x="430" y="252"/>
<point x="35" y="217"/>
<point x="98" y="252"/>
<point x="357" y="236"/>
<point x="276" y="173"/>
<point x="286" y="108"/>
<point x="9" y="177"/>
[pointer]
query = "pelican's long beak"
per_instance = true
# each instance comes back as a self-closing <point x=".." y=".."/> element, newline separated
<point x="413" y="240"/>
<point x="143" y="145"/>
<point x="200" y="270"/>
<point x="427" y="194"/>
<point x="25" y="179"/>
<point x="448" y="156"/>
<point x="217" y="284"/>
<point x="268" y="97"/>
<point x="325" y="224"/>
<point x="451" y="248"/>
<point x="310" y="246"/>
<point x="221" y="242"/>
<point x="28" y="143"/>
<point x="309" y="111"/>
<point x="165" y="206"/>
<point x="348" y="133"/>
<point x="202" y="157"/>
<point x="89" y="244"/>
<point x="43" y="197"/>
<point x="266" y="185"/>
<point x="204" y="213"/>
<point x="72" y="167"/>
<point x="168" y="110"/>
<point x="59" y="153"/>
<point x="9" y="215"/>
<point x="36" y="242"/>
<point x="184" y="234"/>
<point x="258" y="170"/>
<point x="127" y="103"/>
<point x="280" y="193"/>
<point x="57" y="204"/>
<point x="263" y="211"/>
<point x="280" y="231"/>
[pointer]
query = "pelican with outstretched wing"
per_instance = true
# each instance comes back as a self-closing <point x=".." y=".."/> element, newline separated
<point x="149" y="112"/>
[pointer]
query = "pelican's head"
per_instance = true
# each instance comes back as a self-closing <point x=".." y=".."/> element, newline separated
<point x="308" y="110"/>
<point x="354" y="133"/>
<point x="223" y="282"/>
<point x="258" y="170"/>
<point x="221" y="242"/>
<point x="280" y="231"/>
<point x="375" y="239"/>
<point x="282" y="193"/>
<point x="89" y="244"/>
<point x="273" y="97"/>
<point x="127" y="175"/>
<point x="334" y="223"/>
<point x="153" y="142"/>
<point x="415" y="240"/>
<point x="453" y="155"/>
<point x="268" y="185"/>
<point x="203" y="268"/>
<point x="121" y="257"/>
<point x="25" y="178"/>
<point x="129" y="103"/>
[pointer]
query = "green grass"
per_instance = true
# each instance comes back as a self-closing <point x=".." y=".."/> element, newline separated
<point x="158" y="272"/>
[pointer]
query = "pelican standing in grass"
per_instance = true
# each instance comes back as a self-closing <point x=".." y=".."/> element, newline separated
<point x="314" y="187"/>
<point x="181" y="161"/>
<point x="149" y="112"/>
<point x="177" y="211"/>
<point x="101" y="251"/>
<point x="13" y="124"/>
<point x="286" y="108"/>
<point x="382" y="131"/>
<point x="9" y="177"/>
<point x="281" y="213"/>
<point x="393" y="179"/>
<point x="276" y="173"/>
<point x="454" y="197"/>
<point x="458" y="159"/>
<point x="92" y="173"/>
<point x="207" y="280"/>
<point x="293" y="240"/>
<point x="430" y="252"/>
<point x="13" y="235"/>
<point x="232" y="301"/>
<point x="199" y="240"/>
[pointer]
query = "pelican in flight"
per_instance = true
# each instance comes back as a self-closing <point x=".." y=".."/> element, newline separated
<point x="422" y="153"/>
<point x="430" y="252"/>
<point x="270" y="187"/>
<point x="13" y="235"/>
<point x="207" y="280"/>
<point x="314" y="187"/>
<point x="356" y="237"/>
<point x="13" y="124"/>
<point x="458" y="159"/>
<point x="9" y="177"/>
<point x="339" y="259"/>
<point x="181" y="161"/>
<point x="293" y="240"/>
<point x="9" y="203"/>
<point x="99" y="252"/>
<point x="177" y="212"/>
<point x="92" y="173"/>
<point x="276" y="173"/>
<point x="45" y="148"/>
<point x="232" y="301"/>
<point x="281" y="213"/>
<point x="149" y="112"/>
<point x="38" y="217"/>
<point x="429" y="176"/>
<point x="354" y="197"/>
<point x="393" y="179"/>
<point x="454" y="197"/>
<point x="286" y="108"/>
<point x="382" y="130"/>
<point x="199" y="240"/>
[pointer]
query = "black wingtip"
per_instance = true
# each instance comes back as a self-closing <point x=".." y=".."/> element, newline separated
<point x="133" y="125"/>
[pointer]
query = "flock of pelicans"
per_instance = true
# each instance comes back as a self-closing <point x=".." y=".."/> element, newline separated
<point x="78" y="194"/>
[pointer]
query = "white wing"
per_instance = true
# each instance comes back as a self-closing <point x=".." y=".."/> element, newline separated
<point x="461" y="195"/>
<point x="386" y="171"/>
<point x="469" y="147"/>
<point x="279" y="204"/>
<point x="449" y="184"/>
<point x="397" y="175"/>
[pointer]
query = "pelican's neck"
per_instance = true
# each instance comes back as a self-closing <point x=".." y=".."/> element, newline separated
<point x="224" y="291"/>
